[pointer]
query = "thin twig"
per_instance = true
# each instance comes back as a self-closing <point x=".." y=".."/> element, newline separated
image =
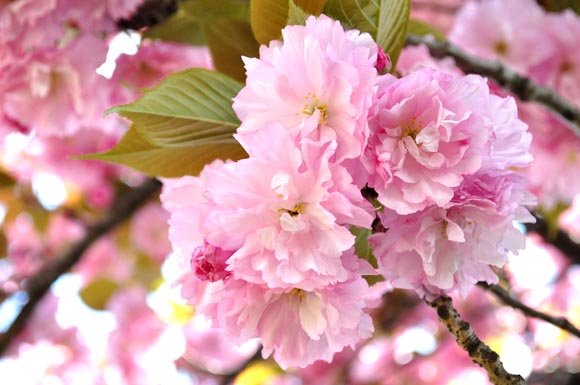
<point x="150" y="13"/>
<point x="478" y="351"/>
<point x="506" y="298"/>
<point x="39" y="285"/>
<point x="521" y="86"/>
<point x="559" y="239"/>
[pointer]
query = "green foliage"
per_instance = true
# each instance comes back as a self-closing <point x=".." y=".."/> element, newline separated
<point x="267" y="18"/>
<point x="179" y="126"/>
<point x="311" y="7"/>
<point x="190" y="107"/>
<point x="179" y="28"/>
<point x="222" y="25"/>
<point x="420" y="28"/>
<point x="385" y="20"/>
<point x="228" y="41"/>
<point x="98" y="292"/>
<point x="362" y="247"/>
<point x="392" y="27"/>
<point x="170" y="162"/>
<point x="296" y="15"/>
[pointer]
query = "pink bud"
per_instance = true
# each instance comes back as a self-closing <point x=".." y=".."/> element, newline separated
<point x="383" y="62"/>
<point x="208" y="262"/>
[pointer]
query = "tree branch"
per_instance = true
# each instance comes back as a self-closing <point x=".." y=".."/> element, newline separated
<point x="521" y="86"/>
<point x="507" y="299"/>
<point x="39" y="285"/>
<point x="479" y="352"/>
<point x="561" y="240"/>
<point x="150" y="13"/>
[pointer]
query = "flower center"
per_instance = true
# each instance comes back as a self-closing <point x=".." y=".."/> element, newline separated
<point x="501" y="48"/>
<point x="566" y="67"/>
<point x="313" y="104"/>
<point x="297" y="210"/>
<point x="298" y="293"/>
<point x="411" y="128"/>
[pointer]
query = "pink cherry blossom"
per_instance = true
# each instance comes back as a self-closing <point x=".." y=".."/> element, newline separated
<point x="329" y="102"/>
<point x="413" y="58"/>
<point x="450" y="248"/>
<point x="284" y="215"/>
<point x="149" y="232"/>
<point x="560" y="68"/>
<point x="135" y="347"/>
<point x="59" y="84"/>
<point x="154" y="61"/>
<point x="208" y="263"/>
<point x="513" y="32"/>
<point x="297" y="326"/>
<point x="425" y="137"/>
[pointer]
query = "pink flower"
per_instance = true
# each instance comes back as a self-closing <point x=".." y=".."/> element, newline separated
<point x="153" y="62"/>
<point x="425" y="136"/>
<point x="330" y="97"/>
<point x="59" y="86"/>
<point x="122" y="9"/>
<point x="444" y="249"/>
<point x="413" y="58"/>
<point x="285" y="215"/>
<point x="208" y="263"/>
<point x="560" y="68"/>
<point x="149" y="232"/>
<point x="555" y="147"/>
<point x="513" y="32"/>
<point x="297" y="326"/>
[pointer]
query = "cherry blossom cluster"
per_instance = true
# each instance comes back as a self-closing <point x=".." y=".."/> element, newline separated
<point x="266" y="241"/>
<point x="51" y="97"/>
<point x="542" y="46"/>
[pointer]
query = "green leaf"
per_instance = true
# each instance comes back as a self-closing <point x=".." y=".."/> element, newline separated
<point x="187" y="24"/>
<point x="360" y="14"/>
<point x="311" y="7"/>
<point x="189" y="107"/>
<point x="267" y="18"/>
<point x="421" y="28"/>
<point x="180" y="28"/>
<point x="98" y="292"/>
<point x="170" y="162"/>
<point x="228" y="41"/>
<point x="208" y="10"/>
<point x="146" y="271"/>
<point x="392" y="27"/>
<point x="385" y="20"/>
<point x="362" y="247"/>
<point x="296" y="15"/>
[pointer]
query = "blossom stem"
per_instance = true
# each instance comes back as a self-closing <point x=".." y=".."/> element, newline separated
<point x="39" y="285"/>
<point x="507" y="299"/>
<point x="478" y="351"/>
<point x="521" y="86"/>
